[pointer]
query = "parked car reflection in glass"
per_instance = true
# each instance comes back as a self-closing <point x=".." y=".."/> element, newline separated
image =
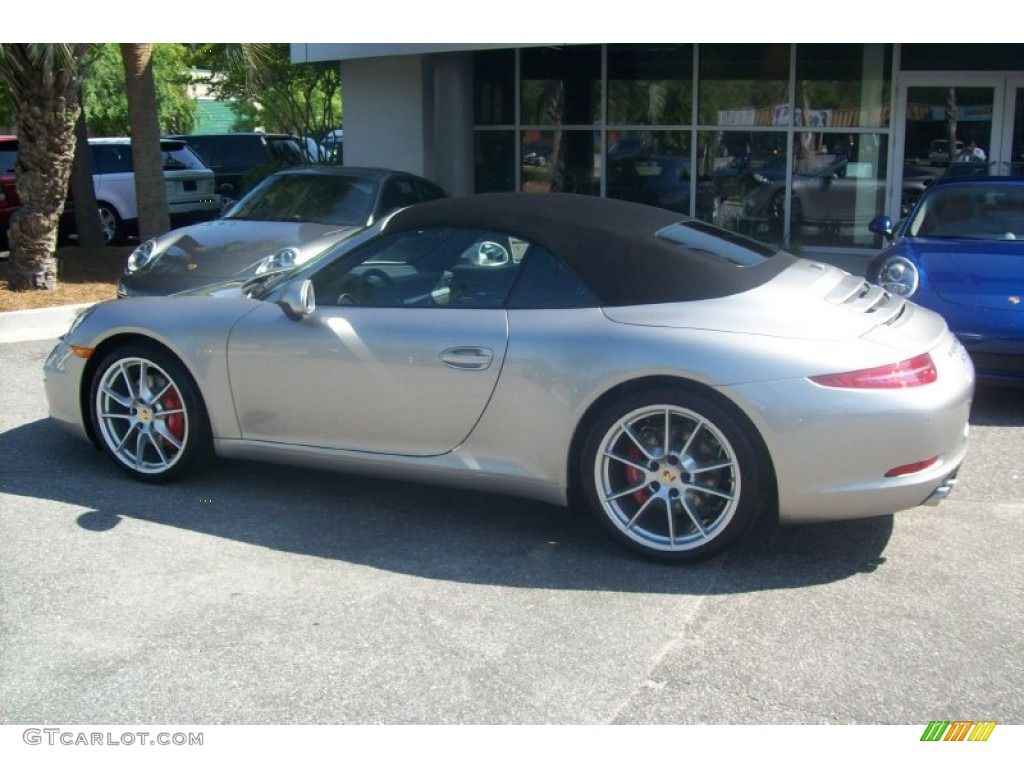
<point x="659" y="180"/>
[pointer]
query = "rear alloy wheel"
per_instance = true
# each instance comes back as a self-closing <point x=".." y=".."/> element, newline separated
<point x="111" y="224"/>
<point x="672" y="475"/>
<point x="147" y="413"/>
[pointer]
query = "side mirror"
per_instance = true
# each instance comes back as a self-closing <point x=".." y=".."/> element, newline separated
<point x="882" y="225"/>
<point x="298" y="300"/>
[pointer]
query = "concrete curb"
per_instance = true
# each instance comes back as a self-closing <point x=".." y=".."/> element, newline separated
<point x="37" y="324"/>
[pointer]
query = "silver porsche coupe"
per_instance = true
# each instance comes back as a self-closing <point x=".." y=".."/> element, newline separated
<point x="676" y="380"/>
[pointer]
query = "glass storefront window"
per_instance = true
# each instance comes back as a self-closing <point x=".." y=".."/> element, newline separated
<point x="561" y="85"/>
<point x="843" y="85"/>
<point x="494" y="161"/>
<point x="494" y="87"/>
<point x="560" y="161"/>
<point x="800" y="161"/>
<point x="650" y="84"/>
<point x="735" y="163"/>
<point x="1017" y="137"/>
<point x="835" y="193"/>
<point x="655" y="168"/>
<point x="744" y="84"/>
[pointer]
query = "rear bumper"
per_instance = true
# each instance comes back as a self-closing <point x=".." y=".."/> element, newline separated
<point x="939" y="494"/>
<point x="834" y="463"/>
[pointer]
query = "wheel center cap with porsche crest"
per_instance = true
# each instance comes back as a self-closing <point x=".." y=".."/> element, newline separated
<point x="669" y="476"/>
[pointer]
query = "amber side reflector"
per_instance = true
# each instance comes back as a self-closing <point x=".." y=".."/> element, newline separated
<point x="909" y="469"/>
<point x="83" y="352"/>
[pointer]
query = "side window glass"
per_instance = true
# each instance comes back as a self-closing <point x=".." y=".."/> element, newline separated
<point x="122" y="159"/>
<point x="243" y="152"/>
<point x="398" y="193"/>
<point x="429" y="192"/>
<point x="99" y="160"/>
<point x="111" y="158"/>
<point x="443" y="268"/>
<point x="546" y="283"/>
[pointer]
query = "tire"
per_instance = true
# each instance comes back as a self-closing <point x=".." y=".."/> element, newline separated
<point x="111" y="224"/>
<point x="676" y="500"/>
<point x="147" y="413"/>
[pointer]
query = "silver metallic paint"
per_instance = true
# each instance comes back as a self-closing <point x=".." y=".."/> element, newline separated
<point x="508" y="428"/>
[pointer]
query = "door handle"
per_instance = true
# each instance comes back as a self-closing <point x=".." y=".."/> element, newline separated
<point x="467" y="358"/>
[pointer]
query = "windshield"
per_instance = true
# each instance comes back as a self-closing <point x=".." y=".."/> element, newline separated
<point x="260" y="287"/>
<point x="971" y="211"/>
<point x="306" y="197"/>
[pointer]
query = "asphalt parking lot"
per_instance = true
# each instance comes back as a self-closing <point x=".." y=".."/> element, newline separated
<point x="250" y="594"/>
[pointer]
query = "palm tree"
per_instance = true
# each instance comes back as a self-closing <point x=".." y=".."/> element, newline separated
<point x="143" y="117"/>
<point x="154" y="218"/>
<point x="44" y="80"/>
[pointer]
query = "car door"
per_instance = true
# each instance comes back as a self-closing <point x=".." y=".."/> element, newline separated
<point x="400" y="356"/>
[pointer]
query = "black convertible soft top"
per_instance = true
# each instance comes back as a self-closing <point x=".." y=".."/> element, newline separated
<point x="611" y="244"/>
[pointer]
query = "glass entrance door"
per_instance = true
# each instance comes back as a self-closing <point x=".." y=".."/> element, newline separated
<point x="1013" y="129"/>
<point x="956" y="124"/>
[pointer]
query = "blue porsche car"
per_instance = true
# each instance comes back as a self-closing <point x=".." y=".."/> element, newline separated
<point x="960" y="252"/>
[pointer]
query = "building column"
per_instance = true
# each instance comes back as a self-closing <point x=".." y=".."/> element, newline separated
<point x="412" y="113"/>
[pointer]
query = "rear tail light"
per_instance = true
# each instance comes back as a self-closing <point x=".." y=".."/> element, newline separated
<point x="915" y="372"/>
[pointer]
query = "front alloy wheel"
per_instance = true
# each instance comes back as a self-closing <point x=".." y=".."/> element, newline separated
<point x="147" y="413"/>
<point x="672" y="476"/>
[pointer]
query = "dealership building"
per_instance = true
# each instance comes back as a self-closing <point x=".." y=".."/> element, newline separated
<point x="793" y="143"/>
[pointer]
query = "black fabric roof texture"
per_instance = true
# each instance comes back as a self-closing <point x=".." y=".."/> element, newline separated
<point x="611" y="244"/>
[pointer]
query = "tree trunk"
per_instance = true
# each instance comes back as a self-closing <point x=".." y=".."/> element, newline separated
<point x="44" y="83"/>
<point x="951" y="120"/>
<point x="147" y="159"/>
<point x="87" y="219"/>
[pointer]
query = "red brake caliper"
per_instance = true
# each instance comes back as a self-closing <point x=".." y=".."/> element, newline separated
<point x="634" y="475"/>
<point x="176" y="421"/>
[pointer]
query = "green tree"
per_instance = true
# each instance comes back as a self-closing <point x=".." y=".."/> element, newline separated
<point x="106" y="97"/>
<point x="44" y="81"/>
<point x="269" y="91"/>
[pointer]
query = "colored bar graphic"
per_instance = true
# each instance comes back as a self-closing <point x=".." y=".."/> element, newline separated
<point x="982" y="730"/>
<point x="958" y="730"/>
<point x="935" y="730"/>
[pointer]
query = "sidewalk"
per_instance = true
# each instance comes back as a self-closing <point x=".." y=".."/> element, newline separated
<point x="37" y="324"/>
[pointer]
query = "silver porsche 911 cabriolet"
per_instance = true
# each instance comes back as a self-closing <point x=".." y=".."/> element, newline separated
<point x="675" y="379"/>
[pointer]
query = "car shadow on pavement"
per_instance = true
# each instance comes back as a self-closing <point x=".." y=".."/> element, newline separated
<point x="425" y="531"/>
<point x="998" y="406"/>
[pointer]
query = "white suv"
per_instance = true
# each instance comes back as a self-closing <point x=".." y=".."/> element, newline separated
<point x="190" y="185"/>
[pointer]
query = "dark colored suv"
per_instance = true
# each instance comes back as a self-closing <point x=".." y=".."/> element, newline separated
<point x="242" y="160"/>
